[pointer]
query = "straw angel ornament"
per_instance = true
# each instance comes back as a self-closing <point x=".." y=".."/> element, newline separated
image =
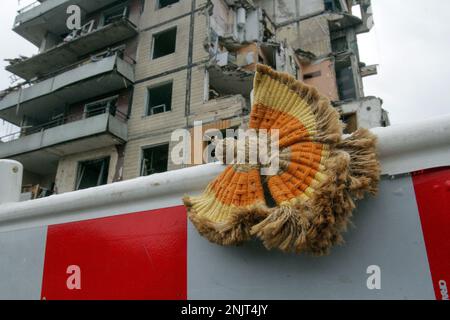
<point x="320" y="175"/>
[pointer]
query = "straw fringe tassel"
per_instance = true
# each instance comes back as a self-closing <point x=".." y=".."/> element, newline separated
<point x="365" y="169"/>
<point x="234" y="231"/>
<point x="329" y="127"/>
<point x="316" y="225"/>
<point x="331" y="208"/>
<point x="285" y="229"/>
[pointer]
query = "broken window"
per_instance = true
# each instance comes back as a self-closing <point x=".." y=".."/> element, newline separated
<point x="213" y="93"/>
<point x="339" y="44"/>
<point x="219" y="134"/>
<point x="267" y="55"/>
<point x="333" y="5"/>
<point x="96" y="108"/>
<point x="164" y="43"/>
<point x="160" y="99"/>
<point x="232" y="82"/>
<point x="92" y="173"/>
<point x="345" y="80"/>
<point x="351" y="122"/>
<point x="165" y="3"/>
<point x="339" y="41"/>
<point x="155" y="160"/>
<point x="212" y="134"/>
<point x="115" y="14"/>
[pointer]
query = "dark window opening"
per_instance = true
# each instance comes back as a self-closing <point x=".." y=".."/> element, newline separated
<point x="222" y="84"/>
<point x="36" y="186"/>
<point x="115" y="14"/>
<point x="333" y="5"/>
<point x="345" y="81"/>
<point x="160" y="99"/>
<point x="213" y="93"/>
<point x="351" y="123"/>
<point x="164" y="43"/>
<point x="268" y="55"/>
<point x="92" y="173"/>
<point x="218" y="134"/>
<point x="339" y="44"/>
<point x="311" y="75"/>
<point x="165" y="3"/>
<point x="101" y="107"/>
<point x="155" y="160"/>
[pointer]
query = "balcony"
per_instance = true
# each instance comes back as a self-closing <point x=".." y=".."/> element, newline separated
<point x="91" y="78"/>
<point x="39" y="148"/>
<point x="341" y="21"/>
<point x="342" y="16"/>
<point x="36" y="20"/>
<point x="68" y="52"/>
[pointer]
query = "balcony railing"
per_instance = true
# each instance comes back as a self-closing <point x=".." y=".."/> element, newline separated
<point x="79" y="43"/>
<point x="108" y="53"/>
<point x="119" y="51"/>
<point x="36" y="20"/>
<point x="28" y="7"/>
<point x="59" y="121"/>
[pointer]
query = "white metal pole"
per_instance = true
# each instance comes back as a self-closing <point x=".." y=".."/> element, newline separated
<point x="11" y="173"/>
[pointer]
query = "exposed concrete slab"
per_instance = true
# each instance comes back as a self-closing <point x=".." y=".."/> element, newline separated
<point x="50" y="15"/>
<point x="81" y="83"/>
<point x="368" y="111"/>
<point x="367" y="71"/>
<point x="231" y="82"/>
<point x="339" y="21"/>
<point x="79" y="136"/>
<point x="68" y="53"/>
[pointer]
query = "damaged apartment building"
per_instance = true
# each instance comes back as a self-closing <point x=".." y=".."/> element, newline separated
<point x="98" y="104"/>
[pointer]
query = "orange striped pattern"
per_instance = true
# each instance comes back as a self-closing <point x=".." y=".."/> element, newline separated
<point x="305" y="156"/>
<point x="301" y="175"/>
<point x="291" y="130"/>
<point x="238" y="188"/>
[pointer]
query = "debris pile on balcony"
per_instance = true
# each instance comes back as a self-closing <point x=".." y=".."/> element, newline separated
<point x="16" y="60"/>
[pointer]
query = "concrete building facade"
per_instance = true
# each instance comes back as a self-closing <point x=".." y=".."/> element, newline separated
<point x="98" y="104"/>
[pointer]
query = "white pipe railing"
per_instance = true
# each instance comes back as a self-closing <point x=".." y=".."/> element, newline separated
<point x="414" y="146"/>
<point x="147" y="189"/>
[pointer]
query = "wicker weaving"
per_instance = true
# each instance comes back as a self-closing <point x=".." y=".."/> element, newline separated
<point x="321" y="174"/>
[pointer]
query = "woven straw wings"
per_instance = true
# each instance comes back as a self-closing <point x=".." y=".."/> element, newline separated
<point x="320" y="176"/>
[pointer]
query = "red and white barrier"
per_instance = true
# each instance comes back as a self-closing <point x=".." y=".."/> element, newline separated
<point x="132" y="240"/>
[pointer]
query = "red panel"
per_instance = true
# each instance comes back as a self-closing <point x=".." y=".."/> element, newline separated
<point x="433" y="198"/>
<point x="134" y="256"/>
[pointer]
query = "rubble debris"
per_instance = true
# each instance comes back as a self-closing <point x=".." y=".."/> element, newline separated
<point x="16" y="60"/>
